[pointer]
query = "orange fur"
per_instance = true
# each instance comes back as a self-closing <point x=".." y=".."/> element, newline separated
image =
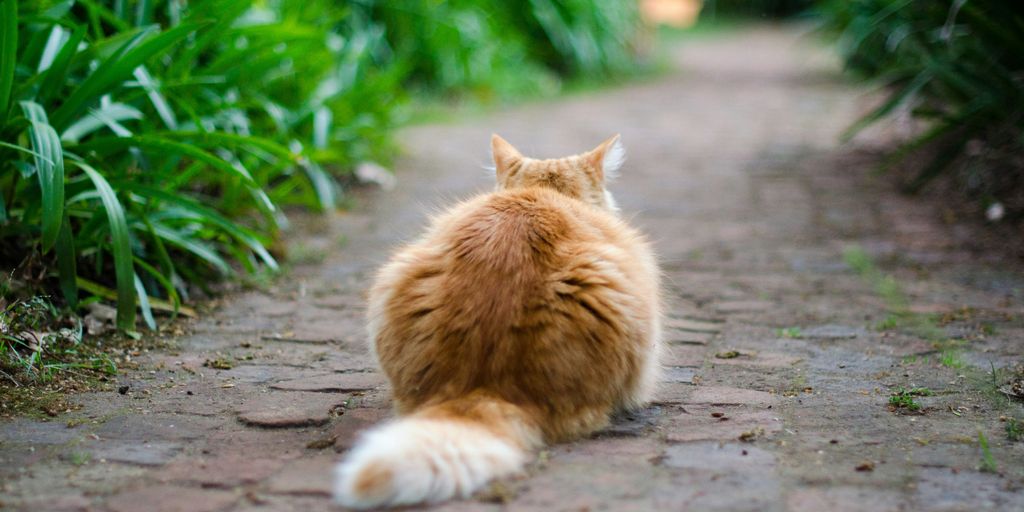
<point x="532" y="312"/>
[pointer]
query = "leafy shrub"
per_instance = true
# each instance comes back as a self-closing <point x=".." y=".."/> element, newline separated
<point x="955" y="65"/>
<point x="153" y="145"/>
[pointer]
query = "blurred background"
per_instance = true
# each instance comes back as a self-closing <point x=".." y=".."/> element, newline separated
<point x="149" y="149"/>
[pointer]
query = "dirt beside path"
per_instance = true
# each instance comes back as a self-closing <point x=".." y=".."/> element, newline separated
<point x="803" y="294"/>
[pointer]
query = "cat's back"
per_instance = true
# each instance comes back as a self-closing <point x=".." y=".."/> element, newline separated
<point x="502" y="255"/>
<point x="514" y="229"/>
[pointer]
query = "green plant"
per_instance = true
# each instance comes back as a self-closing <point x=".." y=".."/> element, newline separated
<point x="499" y="50"/>
<point x="952" y="358"/>
<point x="988" y="463"/>
<point x="129" y="164"/>
<point x="904" y="398"/>
<point x="1014" y="429"/>
<point x="955" y="66"/>
<point x="789" y="332"/>
<point x="34" y="346"/>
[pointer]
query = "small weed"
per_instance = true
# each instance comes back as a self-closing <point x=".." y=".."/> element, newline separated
<point x="889" y="323"/>
<point x="789" y="332"/>
<point x="1014" y="429"/>
<point x="904" y="402"/>
<point x="951" y="358"/>
<point x="904" y="398"/>
<point x="79" y="458"/>
<point x="988" y="463"/>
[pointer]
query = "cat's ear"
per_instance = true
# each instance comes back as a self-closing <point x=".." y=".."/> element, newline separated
<point x="608" y="157"/>
<point x="506" y="156"/>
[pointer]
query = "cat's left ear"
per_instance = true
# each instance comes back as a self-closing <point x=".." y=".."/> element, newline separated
<point x="608" y="157"/>
<point x="506" y="156"/>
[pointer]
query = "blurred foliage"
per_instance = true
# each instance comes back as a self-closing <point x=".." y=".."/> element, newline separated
<point x="958" y="66"/>
<point x="496" y="50"/>
<point x="148" y="147"/>
<point x="755" y="8"/>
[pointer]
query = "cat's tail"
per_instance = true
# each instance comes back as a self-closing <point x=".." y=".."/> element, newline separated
<point x="440" y="452"/>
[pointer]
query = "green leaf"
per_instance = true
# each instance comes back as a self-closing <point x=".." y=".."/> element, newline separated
<point x="147" y="312"/>
<point x="119" y="67"/>
<point x="322" y="184"/>
<point x="106" y="293"/>
<point x="8" y="53"/>
<point x="118" y="226"/>
<point x="49" y="168"/>
<point x="108" y="115"/>
<point x="172" y="294"/>
<point x="207" y="215"/>
<point x="109" y="145"/>
<point x="895" y="100"/>
<point x="66" y="264"/>
<point x="57" y="74"/>
<point x="193" y="246"/>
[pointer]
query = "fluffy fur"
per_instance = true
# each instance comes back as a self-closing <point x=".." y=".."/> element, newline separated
<point x="523" y="316"/>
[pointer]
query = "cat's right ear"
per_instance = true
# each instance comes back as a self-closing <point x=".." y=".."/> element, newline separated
<point x="506" y="156"/>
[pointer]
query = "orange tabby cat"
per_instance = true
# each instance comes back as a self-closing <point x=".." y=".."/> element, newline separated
<point x="523" y="316"/>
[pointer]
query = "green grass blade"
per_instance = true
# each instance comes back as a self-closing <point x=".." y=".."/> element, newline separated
<point x="172" y="294"/>
<point x="157" y="143"/>
<point x="118" y="226"/>
<point x="247" y="237"/>
<point x="49" y="169"/>
<point x="147" y="312"/>
<point x="231" y="140"/>
<point x="57" y="74"/>
<point x="155" y="303"/>
<point x="199" y="249"/>
<point x="8" y="53"/>
<point x="66" y="263"/>
<point x="323" y="185"/>
<point x="895" y="100"/>
<point x="107" y="115"/>
<point x="163" y="109"/>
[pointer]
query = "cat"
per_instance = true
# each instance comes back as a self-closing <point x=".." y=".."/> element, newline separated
<point x="522" y="317"/>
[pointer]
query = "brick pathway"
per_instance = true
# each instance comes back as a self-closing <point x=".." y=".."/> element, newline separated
<point x="735" y="172"/>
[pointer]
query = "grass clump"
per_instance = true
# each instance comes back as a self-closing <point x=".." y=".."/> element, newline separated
<point x="903" y="399"/>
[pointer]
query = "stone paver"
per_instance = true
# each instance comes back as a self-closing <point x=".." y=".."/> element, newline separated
<point x="735" y="171"/>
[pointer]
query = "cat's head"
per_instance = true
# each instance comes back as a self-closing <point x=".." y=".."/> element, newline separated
<point x="580" y="176"/>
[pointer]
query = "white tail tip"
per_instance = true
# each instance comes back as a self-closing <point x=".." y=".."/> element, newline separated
<point x="420" y="460"/>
